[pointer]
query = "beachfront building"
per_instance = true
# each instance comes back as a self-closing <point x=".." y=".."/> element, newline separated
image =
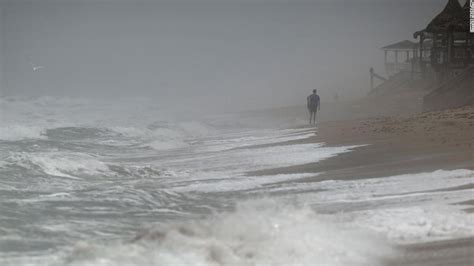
<point x="451" y="45"/>
<point x="401" y="67"/>
<point x="399" y="57"/>
<point x="451" y="57"/>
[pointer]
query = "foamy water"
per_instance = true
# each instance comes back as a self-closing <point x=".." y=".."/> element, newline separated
<point x="89" y="182"/>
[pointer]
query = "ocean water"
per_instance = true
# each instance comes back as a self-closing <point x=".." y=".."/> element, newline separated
<point x="97" y="182"/>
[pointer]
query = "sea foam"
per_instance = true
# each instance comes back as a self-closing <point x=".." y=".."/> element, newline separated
<point x="256" y="233"/>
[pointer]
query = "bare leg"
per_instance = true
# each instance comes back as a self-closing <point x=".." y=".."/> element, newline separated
<point x="310" y="117"/>
<point x="314" y="117"/>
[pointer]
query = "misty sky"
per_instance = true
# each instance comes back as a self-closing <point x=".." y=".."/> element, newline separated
<point x="237" y="54"/>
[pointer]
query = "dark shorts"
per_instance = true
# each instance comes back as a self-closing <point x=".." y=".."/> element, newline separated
<point x="313" y="109"/>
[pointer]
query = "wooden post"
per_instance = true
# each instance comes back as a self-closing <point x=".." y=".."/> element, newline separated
<point x="467" y="54"/>
<point x="412" y="61"/>
<point x="396" y="57"/>
<point x="421" y="47"/>
<point x="420" y="56"/>
<point x="371" y="78"/>
<point x="450" y="46"/>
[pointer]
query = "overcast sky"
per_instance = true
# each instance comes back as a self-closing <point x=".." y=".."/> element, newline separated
<point x="239" y="54"/>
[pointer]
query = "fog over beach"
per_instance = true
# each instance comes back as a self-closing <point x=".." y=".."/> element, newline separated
<point x="176" y="133"/>
<point x="227" y="54"/>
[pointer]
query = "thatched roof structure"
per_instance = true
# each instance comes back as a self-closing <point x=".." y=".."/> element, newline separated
<point x="461" y="23"/>
<point x="452" y="12"/>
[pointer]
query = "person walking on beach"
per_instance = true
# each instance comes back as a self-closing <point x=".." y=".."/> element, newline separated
<point x="313" y="104"/>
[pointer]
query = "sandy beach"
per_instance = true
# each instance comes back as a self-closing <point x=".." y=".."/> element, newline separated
<point x="394" y="146"/>
<point x="409" y="144"/>
<point x="176" y="133"/>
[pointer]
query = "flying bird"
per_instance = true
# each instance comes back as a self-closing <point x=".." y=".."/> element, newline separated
<point x="35" y="68"/>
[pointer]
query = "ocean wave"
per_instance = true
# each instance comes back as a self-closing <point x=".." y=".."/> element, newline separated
<point x="141" y="171"/>
<point x="265" y="138"/>
<point x="137" y="122"/>
<point x="157" y="138"/>
<point x="16" y="132"/>
<point x="61" y="164"/>
<point x="242" y="183"/>
<point x="78" y="165"/>
<point x="67" y="111"/>
<point x="257" y="233"/>
<point x="418" y="223"/>
<point x="76" y="133"/>
<point x="165" y="135"/>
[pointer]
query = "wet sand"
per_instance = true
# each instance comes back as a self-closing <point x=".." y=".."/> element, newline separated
<point x="455" y="252"/>
<point x="400" y="145"/>
<point x="394" y="145"/>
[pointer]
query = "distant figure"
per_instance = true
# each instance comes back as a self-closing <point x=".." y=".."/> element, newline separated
<point x="313" y="103"/>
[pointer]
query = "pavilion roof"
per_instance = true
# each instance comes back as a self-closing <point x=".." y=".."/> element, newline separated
<point x="451" y="12"/>
<point x="401" y="46"/>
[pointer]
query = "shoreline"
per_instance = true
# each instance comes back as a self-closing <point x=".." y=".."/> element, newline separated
<point x="453" y="252"/>
<point x="422" y="142"/>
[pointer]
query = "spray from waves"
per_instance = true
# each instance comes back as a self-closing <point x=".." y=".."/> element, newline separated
<point x="418" y="223"/>
<point x="120" y="122"/>
<point x="256" y="233"/>
<point x="162" y="135"/>
<point x="139" y="120"/>
<point x="30" y="117"/>
<point x="157" y="138"/>
<point x="19" y="132"/>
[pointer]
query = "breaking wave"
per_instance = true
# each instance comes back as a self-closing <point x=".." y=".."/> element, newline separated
<point x="58" y="163"/>
<point x="120" y="122"/>
<point x="257" y="233"/>
<point x="77" y="165"/>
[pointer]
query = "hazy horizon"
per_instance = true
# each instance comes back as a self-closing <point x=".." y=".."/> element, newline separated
<point x="232" y="54"/>
<point x="180" y="132"/>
